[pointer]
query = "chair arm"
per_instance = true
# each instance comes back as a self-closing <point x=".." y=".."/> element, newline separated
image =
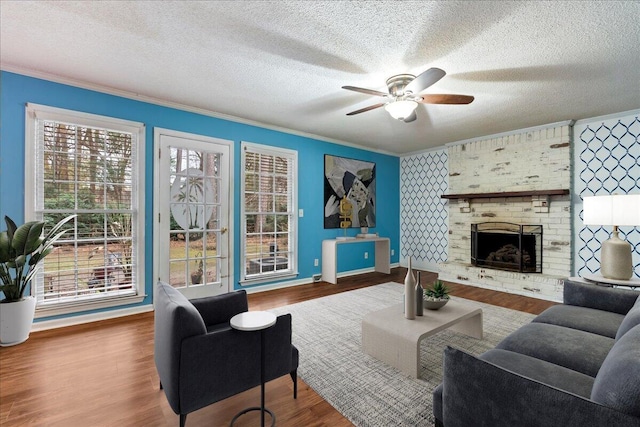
<point x="221" y="308"/>
<point x="278" y="348"/>
<point x="226" y="361"/>
<point x="604" y="298"/>
<point x="479" y="393"/>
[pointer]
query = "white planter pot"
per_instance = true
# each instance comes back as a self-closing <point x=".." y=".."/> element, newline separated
<point x="16" y="319"/>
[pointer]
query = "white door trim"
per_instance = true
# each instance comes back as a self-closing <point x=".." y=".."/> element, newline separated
<point x="157" y="133"/>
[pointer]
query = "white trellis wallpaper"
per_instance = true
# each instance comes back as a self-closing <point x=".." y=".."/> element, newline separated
<point x="606" y="161"/>
<point x="424" y="219"/>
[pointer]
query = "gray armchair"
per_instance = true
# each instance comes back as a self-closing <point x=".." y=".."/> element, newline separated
<point x="201" y="360"/>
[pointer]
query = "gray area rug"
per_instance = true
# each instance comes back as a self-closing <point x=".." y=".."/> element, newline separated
<point x="366" y="391"/>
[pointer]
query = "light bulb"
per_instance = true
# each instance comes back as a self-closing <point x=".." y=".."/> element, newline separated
<point x="401" y="109"/>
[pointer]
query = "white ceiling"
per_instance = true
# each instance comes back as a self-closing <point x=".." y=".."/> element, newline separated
<point x="282" y="63"/>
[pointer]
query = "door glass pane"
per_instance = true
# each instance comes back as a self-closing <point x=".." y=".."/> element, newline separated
<point x="211" y="268"/>
<point x="177" y="273"/>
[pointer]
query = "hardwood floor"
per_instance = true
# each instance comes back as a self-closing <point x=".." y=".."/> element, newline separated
<point x="103" y="374"/>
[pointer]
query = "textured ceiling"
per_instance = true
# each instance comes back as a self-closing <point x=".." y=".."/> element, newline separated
<point x="283" y="63"/>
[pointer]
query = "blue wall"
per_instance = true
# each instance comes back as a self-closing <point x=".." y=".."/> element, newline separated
<point x="18" y="90"/>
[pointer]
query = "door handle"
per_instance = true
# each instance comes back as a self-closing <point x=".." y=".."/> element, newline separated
<point x="223" y="230"/>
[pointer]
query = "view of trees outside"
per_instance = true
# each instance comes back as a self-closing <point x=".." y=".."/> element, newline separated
<point x="195" y="217"/>
<point x="87" y="172"/>
<point x="267" y="213"/>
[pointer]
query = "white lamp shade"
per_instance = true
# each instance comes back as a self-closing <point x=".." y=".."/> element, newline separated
<point x="401" y="109"/>
<point x="617" y="209"/>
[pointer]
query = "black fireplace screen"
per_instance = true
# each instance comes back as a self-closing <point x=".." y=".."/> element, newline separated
<point x="507" y="246"/>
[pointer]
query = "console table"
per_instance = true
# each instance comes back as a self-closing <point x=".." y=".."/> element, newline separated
<point x="330" y="256"/>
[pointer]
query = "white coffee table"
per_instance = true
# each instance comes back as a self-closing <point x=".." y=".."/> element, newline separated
<point x="389" y="337"/>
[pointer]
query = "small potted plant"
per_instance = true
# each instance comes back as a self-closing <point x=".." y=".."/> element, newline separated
<point x="196" y="275"/>
<point x="22" y="249"/>
<point x="436" y="296"/>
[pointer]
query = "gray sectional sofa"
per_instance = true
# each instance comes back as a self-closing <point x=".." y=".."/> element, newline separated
<point x="576" y="364"/>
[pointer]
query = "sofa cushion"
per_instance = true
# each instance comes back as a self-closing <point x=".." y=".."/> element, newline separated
<point x="617" y="385"/>
<point x="574" y="349"/>
<point x="585" y="319"/>
<point x="615" y="300"/>
<point x="542" y="371"/>
<point x="631" y="319"/>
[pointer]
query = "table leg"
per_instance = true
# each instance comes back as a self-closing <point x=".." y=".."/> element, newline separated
<point x="262" y="408"/>
<point x="262" y="378"/>
<point x="471" y="326"/>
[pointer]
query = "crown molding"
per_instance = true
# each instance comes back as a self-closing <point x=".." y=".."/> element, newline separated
<point x="607" y="117"/>
<point x="513" y="132"/>
<point x="178" y="106"/>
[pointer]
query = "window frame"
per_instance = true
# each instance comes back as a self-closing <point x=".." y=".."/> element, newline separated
<point x="34" y="113"/>
<point x="275" y="275"/>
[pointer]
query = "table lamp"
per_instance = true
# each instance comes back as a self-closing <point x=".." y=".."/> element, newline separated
<point x="616" y="210"/>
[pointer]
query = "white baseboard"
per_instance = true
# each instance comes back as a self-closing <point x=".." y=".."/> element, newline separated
<point x="363" y="270"/>
<point x="308" y="280"/>
<point x="279" y="285"/>
<point x="89" y="318"/>
<point x="113" y="314"/>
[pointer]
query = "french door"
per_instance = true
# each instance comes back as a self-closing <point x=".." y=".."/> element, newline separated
<point x="193" y="200"/>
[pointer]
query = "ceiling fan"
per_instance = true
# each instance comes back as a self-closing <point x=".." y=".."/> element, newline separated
<point x="403" y="96"/>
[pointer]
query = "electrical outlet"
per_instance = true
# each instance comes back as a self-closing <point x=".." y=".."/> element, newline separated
<point x="366" y="255"/>
<point x="393" y="252"/>
<point x="315" y="262"/>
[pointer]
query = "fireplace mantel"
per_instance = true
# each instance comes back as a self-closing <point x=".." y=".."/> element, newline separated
<point x="559" y="192"/>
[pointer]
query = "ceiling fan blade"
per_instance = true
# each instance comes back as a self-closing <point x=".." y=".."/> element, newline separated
<point x="445" y="99"/>
<point x="365" y="109"/>
<point x="411" y="118"/>
<point x="425" y="80"/>
<point x="367" y="91"/>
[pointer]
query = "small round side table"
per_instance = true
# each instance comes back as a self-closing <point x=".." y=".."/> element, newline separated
<point x="597" y="279"/>
<point x="256" y="321"/>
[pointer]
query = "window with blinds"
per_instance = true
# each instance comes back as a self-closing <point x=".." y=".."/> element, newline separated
<point x="269" y="212"/>
<point x="87" y="166"/>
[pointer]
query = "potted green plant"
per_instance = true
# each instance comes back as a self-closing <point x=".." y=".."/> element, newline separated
<point x="22" y="249"/>
<point x="436" y="296"/>
<point x="196" y="275"/>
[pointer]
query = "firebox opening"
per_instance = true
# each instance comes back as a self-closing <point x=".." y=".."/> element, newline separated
<point x="506" y="246"/>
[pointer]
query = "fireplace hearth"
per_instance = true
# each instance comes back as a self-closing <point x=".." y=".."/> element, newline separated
<point x="507" y="246"/>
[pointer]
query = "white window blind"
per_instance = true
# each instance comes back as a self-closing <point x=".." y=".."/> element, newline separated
<point x="89" y="167"/>
<point x="269" y="212"/>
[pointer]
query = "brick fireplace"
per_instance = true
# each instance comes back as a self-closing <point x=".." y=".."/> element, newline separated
<point x="518" y="179"/>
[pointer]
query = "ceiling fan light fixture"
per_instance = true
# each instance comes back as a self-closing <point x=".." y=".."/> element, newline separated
<point x="400" y="110"/>
<point x="404" y="95"/>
